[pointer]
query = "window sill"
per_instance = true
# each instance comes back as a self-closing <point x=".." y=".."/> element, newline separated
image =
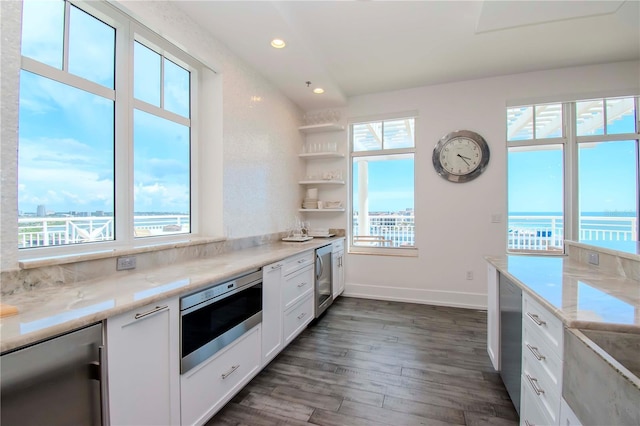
<point x="395" y="252"/>
<point x="140" y="247"/>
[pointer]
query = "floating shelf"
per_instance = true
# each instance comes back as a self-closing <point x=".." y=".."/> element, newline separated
<point x="322" y="210"/>
<point x="321" y="155"/>
<point x="324" y="127"/>
<point x="321" y="182"/>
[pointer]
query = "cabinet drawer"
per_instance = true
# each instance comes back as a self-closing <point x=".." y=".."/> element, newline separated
<point x="531" y="412"/>
<point x="540" y="320"/>
<point x="206" y="388"/>
<point x="337" y="246"/>
<point x="297" y="262"/>
<point x="297" y="318"/>
<point x="296" y="286"/>
<point x="537" y="353"/>
<point x="541" y="390"/>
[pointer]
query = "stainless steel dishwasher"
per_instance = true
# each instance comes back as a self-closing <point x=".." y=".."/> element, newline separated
<point x="511" y="338"/>
<point x="55" y="382"/>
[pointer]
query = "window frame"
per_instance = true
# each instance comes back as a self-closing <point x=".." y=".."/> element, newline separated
<point x="570" y="143"/>
<point x="127" y="31"/>
<point x="409" y="251"/>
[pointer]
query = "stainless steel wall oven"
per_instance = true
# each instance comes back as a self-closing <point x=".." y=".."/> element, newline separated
<point x="214" y="317"/>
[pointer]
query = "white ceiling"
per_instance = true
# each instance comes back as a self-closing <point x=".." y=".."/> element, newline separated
<point x="358" y="47"/>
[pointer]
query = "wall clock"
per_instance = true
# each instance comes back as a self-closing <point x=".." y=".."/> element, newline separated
<point x="460" y="156"/>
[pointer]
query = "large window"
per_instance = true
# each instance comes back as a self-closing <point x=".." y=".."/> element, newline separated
<point x="572" y="173"/>
<point x="105" y="129"/>
<point x="382" y="190"/>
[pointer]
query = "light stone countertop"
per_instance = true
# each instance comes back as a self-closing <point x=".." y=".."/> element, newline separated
<point x="48" y="312"/>
<point x="580" y="295"/>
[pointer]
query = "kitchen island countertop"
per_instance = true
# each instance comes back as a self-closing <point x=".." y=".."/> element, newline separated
<point x="581" y="295"/>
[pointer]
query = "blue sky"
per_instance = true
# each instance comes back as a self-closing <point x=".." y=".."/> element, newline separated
<point x="391" y="185"/>
<point x="607" y="177"/>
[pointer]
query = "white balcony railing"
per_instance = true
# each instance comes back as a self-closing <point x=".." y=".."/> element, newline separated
<point x="525" y="233"/>
<point x="55" y="231"/>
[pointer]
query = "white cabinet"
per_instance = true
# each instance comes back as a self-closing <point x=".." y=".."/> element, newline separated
<point x="567" y="416"/>
<point x="337" y="249"/>
<point x="297" y="318"/>
<point x="325" y="165"/>
<point x="144" y="365"/>
<point x="297" y="294"/>
<point x="272" y="340"/>
<point x="493" y="317"/>
<point x="542" y="354"/>
<point x="287" y="301"/>
<point x="206" y="388"/>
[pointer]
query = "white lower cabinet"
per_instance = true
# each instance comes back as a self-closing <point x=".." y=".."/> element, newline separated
<point x="337" y="254"/>
<point x="297" y="318"/>
<point x="272" y="340"/>
<point x="567" y="416"/>
<point x="210" y="385"/>
<point x="144" y="365"/>
<point x="542" y="355"/>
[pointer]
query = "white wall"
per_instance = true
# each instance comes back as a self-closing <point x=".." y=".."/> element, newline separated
<point x="453" y="221"/>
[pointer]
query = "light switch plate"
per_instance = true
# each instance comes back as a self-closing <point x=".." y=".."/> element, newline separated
<point x="593" y="259"/>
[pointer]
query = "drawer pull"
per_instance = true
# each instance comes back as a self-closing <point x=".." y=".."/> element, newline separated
<point x="302" y="284"/>
<point x="230" y="372"/>
<point x="536" y="318"/>
<point x="302" y="260"/>
<point x="302" y="315"/>
<point x="278" y="266"/>
<point x="152" y="311"/>
<point x="534" y="384"/>
<point x="536" y="352"/>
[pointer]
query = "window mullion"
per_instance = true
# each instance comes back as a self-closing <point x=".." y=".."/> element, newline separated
<point x="124" y="137"/>
<point x="571" y="199"/>
<point x="162" y="60"/>
<point x="65" y="43"/>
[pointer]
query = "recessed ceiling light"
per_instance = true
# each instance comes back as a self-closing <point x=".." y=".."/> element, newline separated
<point x="278" y="43"/>
<point x="318" y="90"/>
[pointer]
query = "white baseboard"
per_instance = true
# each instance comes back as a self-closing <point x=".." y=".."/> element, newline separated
<point x="416" y="295"/>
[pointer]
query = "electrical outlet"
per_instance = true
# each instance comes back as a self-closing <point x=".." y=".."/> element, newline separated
<point x="593" y="259"/>
<point x="126" y="262"/>
<point x="469" y="275"/>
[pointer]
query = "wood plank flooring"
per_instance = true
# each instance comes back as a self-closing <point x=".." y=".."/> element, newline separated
<point x="370" y="362"/>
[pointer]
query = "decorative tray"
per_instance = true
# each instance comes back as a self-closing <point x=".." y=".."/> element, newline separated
<point x="297" y="239"/>
<point x="322" y="235"/>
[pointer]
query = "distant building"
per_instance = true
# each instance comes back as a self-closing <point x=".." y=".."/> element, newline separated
<point x="41" y="211"/>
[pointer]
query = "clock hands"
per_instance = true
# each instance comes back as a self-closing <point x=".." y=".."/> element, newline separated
<point x="465" y="159"/>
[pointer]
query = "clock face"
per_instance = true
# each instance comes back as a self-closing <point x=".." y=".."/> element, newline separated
<point x="460" y="156"/>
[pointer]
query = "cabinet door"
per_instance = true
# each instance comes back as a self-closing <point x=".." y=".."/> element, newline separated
<point x="493" y="317"/>
<point x="338" y="273"/>
<point x="144" y="371"/>
<point x="271" y="311"/>
<point x="297" y="318"/>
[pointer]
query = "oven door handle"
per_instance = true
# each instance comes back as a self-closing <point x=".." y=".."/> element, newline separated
<point x="321" y="268"/>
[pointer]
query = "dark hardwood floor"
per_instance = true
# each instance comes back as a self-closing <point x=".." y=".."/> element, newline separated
<point x="372" y="362"/>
